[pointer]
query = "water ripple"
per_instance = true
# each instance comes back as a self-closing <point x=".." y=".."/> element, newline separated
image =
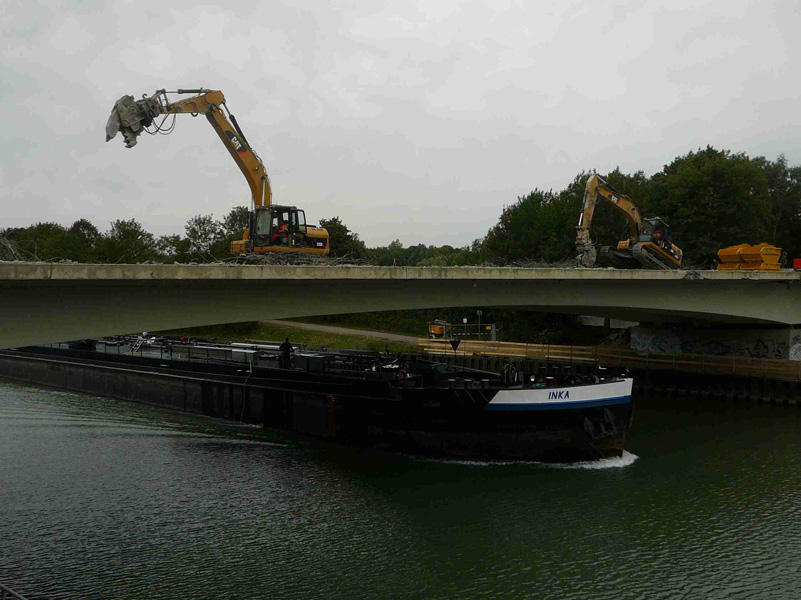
<point x="102" y="499"/>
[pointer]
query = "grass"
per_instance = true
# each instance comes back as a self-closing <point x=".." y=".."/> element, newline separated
<point x="254" y="330"/>
<point x="513" y="325"/>
<point x="408" y="322"/>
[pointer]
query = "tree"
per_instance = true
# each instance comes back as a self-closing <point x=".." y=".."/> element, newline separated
<point x="713" y="199"/>
<point x="784" y="188"/>
<point x="540" y="226"/>
<point x="174" y="248"/>
<point x="85" y="231"/>
<point x="202" y="233"/>
<point x="43" y="241"/>
<point x="232" y="227"/>
<point x="126" y="242"/>
<point x="82" y="241"/>
<point x="342" y="241"/>
<point x="235" y="222"/>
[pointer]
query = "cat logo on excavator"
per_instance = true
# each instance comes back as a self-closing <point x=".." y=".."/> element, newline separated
<point x="240" y="147"/>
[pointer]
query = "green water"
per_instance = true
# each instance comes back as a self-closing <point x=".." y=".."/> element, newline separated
<point x="103" y="499"/>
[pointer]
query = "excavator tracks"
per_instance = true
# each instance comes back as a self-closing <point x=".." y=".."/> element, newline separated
<point x="650" y="259"/>
<point x="640" y="257"/>
<point x="609" y="256"/>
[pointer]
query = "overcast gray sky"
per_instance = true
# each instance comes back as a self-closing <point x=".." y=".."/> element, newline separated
<point x="410" y="120"/>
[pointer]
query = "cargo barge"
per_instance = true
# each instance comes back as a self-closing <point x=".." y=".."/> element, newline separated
<point x="394" y="402"/>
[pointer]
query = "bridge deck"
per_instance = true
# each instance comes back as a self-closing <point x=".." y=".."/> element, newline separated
<point x="14" y="271"/>
<point x="43" y="302"/>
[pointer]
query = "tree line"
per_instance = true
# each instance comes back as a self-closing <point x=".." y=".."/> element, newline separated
<point x="126" y="241"/>
<point x="711" y="199"/>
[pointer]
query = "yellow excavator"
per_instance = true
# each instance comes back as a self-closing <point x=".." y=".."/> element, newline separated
<point x="649" y="243"/>
<point x="272" y="228"/>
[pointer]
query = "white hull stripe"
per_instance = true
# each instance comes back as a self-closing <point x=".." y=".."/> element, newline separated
<point x="557" y="405"/>
<point x="566" y="398"/>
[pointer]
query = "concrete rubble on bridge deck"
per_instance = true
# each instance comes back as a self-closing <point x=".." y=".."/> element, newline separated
<point x="43" y="302"/>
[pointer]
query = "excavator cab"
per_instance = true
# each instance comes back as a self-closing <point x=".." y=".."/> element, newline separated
<point x="284" y="229"/>
<point x="655" y="245"/>
<point x="655" y="230"/>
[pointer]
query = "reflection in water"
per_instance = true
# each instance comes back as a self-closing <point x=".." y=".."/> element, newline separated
<point x="103" y="499"/>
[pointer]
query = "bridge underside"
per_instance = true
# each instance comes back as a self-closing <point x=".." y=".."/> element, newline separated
<point x="47" y="303"/>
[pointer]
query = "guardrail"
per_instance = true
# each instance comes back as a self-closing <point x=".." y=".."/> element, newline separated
<point x="9" y="594"/>
<point x="771" y="368"/>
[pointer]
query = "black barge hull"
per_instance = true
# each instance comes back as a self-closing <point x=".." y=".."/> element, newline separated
<point x="466" y="423"/>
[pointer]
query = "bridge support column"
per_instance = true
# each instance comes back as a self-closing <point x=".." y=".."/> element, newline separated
<point x="752" y="341"/>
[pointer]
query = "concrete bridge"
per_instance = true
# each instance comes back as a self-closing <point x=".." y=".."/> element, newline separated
<point x="42" y="302"/>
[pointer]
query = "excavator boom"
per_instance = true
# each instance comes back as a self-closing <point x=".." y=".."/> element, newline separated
<point x="272" y="228"/>
<point x="131" y="117"/>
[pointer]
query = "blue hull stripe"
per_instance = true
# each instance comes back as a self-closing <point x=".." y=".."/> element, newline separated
<point x="557" y="405"/>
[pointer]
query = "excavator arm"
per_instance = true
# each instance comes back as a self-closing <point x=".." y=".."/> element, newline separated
<point x="599" y="188"/>
<point x="649" y="243"/>
<point x="132" y="117"/>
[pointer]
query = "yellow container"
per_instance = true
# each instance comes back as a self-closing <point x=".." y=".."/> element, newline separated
<point x="731" y="254"/>
<point x="763" y="253"/>
<point x="729" y="266"/>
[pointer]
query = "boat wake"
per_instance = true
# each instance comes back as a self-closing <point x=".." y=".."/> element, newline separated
<point x="604" y="463"/>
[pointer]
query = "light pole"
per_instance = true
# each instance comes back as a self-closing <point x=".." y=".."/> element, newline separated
<point x="478" y="312"/>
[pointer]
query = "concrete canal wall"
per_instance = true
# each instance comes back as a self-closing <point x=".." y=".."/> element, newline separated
<point x="766" y="342"/>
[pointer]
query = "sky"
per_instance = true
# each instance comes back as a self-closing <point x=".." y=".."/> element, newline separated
<point x="416" y="121"/>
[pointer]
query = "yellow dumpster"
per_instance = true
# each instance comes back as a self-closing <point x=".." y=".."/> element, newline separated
<point x="759" y="266"/>
<point x="730" y="254"/>
<point x="761" y="253"/>
<point x="744" y="257"/>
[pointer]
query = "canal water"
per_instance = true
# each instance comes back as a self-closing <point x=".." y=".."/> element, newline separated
<point x="105" y="499"/>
